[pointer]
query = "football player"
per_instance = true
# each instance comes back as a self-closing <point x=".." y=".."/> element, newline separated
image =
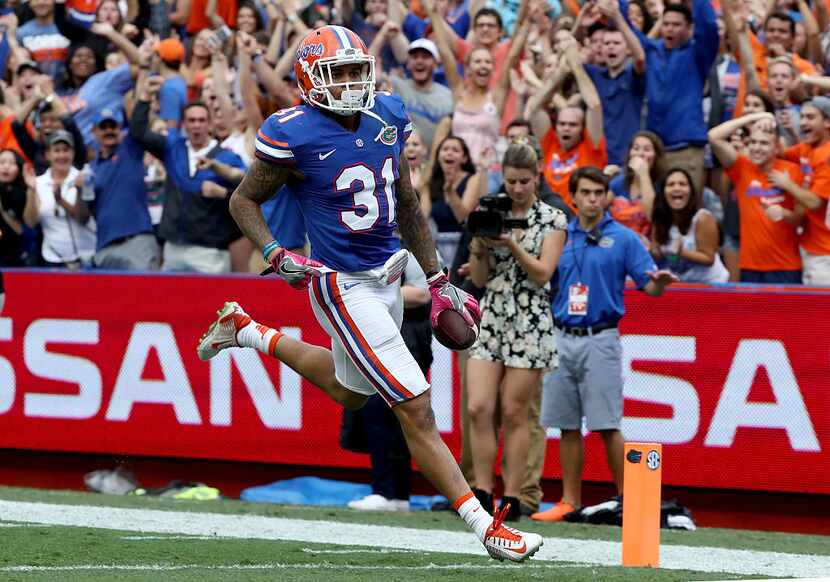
<point x="341" y="154"/>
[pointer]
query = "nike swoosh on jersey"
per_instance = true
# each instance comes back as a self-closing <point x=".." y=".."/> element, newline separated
<point x="324" y="156"/>
<point x="347" y="286"/>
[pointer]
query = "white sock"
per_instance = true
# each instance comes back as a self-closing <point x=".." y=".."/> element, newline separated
<point x="258" y="336"/>
<point x="473" y="514"/>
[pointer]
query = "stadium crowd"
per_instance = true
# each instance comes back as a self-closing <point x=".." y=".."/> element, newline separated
<point x="125" y="125"/>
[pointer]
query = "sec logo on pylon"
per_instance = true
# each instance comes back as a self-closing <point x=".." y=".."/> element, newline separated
<point x="653" y="460"/>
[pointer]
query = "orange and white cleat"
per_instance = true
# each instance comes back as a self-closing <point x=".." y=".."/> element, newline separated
<point x="506" y="543"/>
<point x="222" y="333"/>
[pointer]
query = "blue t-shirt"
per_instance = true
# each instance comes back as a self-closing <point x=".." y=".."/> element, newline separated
<point x="120" y="193"/>
<point x="102" y="90"/>
<point x="348" y="195"/>
<point x="172" y="98"/>
<point x="603" y="267"/>
<point x="622" y="107"/>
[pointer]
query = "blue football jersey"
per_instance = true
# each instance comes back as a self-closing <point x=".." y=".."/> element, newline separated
<point x="348" y="197"/>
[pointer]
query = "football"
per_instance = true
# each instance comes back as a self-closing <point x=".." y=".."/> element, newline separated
<point x="453" y="332"/>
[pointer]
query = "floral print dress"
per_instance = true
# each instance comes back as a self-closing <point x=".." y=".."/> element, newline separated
<point x="516" y="322"/>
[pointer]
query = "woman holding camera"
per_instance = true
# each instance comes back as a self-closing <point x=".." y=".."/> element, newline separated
<point x="516" y="343"/>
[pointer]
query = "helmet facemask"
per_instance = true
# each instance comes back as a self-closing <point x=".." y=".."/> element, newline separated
<point x="356" y="96"/>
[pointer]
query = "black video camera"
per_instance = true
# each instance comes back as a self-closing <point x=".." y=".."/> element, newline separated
<point x="491" y="219"/>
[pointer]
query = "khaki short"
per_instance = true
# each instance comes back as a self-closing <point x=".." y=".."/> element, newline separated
<point x="588" y="383"/>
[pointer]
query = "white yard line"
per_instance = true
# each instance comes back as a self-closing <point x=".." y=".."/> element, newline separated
<point x="268" y="566"/>
<point x="603" y="553"/>
<point x="145" y="538"/>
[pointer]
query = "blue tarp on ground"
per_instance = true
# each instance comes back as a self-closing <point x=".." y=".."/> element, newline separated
<point x="325" y="492"/>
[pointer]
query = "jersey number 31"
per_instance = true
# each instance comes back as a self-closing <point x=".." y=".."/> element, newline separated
<point x="367" y="197"/>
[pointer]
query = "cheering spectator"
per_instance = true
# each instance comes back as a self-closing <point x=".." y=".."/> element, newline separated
<point x="197" y="67"/>
<point x="106" y="90"/>
<point x="620" y="83"/>
<point x="167" y="59"/>
<point x="764" y="188"/>
<point x="415" y="152"/>
<point x="196" y="224"/>
<point x="427" y="102"/>
<point x="814" y="158"/>
<point x="479" y="106"/>
<point x="487" y="33"/>
<point x="17" y="194"/>
<point x="685" y="235"/>
<point x="125" y="232"/>
<point x="634" y="188"/>
<point x="49" y="114"/>
<point x="578" y="138"/>
<point x="782" y="85"/>
<point x="515" y="344"/>
<point x="68" y="229"/>
<point x="677" y="66"/>
<point x="779" y="35"/>
<point x="450" y="191"/>
<point x="41" y="37"/>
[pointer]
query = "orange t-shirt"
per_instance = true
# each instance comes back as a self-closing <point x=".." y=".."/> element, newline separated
<point x="227" y="9"/>
<point x="631" y="213"/>
<point x="759" y="56"/>
<point x="560" y="164"/>
<point x="765" y="245"/>
<point x="499" y="53"/>
<point x="815" y="165"/>
<point x="7" y="139"/>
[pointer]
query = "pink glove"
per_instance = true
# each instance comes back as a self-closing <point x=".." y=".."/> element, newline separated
<point x="447" y="296"/>
<point x="297" y="270"/>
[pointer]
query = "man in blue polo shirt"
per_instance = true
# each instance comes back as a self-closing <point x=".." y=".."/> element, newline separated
<point x="598" y="257"/>
<point x="125" y="233"/>
<point x="621" y="83"/>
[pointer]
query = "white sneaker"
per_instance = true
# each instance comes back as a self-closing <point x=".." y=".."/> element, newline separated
<point x="222" y="333"/>
<point x="375" y="502"/>
<point x="401" y="504"/>
<point x="506" y="543"/>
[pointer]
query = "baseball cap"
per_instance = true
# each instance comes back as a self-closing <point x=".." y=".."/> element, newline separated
<point x="28" y="64"/>
<point x="426" y="45"/>
<point x="108" y="114"/>
<point x="170" y="50"/>
<point x="61" y="136"/>
<point x="822" y="104"/>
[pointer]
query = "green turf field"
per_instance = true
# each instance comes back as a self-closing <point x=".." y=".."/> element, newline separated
<point x="33" y="551"/>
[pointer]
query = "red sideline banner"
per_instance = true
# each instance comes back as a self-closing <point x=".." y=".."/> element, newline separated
<point x="734" y="383"/>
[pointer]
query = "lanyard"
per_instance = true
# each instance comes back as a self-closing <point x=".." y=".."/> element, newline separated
<point x="579" y="261"/>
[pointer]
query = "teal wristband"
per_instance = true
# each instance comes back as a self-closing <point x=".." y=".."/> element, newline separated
<point x="266" y="250"/>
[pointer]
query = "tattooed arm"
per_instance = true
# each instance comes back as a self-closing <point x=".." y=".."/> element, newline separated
<point x="412" y="224"/>
<point x="260" y="183"/>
